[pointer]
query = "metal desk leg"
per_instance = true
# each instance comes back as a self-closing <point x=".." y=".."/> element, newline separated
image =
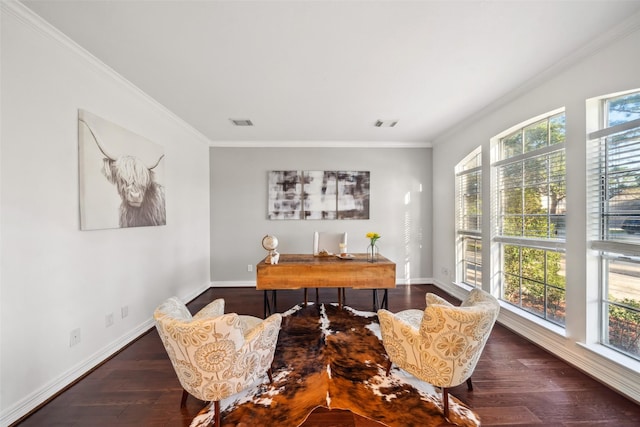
<point x="274" y="301"/>
<point x="269" y="305"/>
<point x="385" y="300"/>
<point x="267" y="308"/>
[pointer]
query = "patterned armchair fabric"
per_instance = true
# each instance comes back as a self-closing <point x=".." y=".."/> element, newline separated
<point x="216" y="355"/>
<point x="442" y="344"/>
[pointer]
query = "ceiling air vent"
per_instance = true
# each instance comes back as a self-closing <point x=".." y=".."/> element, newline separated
<point x="241" y="122"/>
<point x="386" y="123"/>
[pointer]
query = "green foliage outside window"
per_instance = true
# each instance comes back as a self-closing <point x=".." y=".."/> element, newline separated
<point x="532" y="193"/>
<point x="620" y="200"/>
<point x="535" y="281"/>
<point x="624" y="326"/>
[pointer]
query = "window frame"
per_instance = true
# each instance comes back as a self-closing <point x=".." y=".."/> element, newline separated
<point x="550" y="243"/>
<point x="610" y="248"/>
<point x="469" y="166"/>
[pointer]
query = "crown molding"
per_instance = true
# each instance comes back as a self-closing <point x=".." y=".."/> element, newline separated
<point x="620" y="31"/>
<point x="32" y="20"/>
<point x="44" y="28"/>
<point x="320" y="144"/>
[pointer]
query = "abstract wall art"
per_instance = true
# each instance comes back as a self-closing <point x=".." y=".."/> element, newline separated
<point x="318" y="194"/>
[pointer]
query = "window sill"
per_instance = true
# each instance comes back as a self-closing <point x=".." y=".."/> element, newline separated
<point x="616" y="357"/>
<point x="511" y="311"/>
<point x="538" y="321"/>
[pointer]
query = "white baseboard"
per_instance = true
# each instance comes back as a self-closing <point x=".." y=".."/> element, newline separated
<point x="252" y="283"/>
<point x="233" y="284"/>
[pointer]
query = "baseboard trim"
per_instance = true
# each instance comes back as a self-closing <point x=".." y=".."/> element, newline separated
<point x="233" y="284"/>
<point x="252" y="283"/>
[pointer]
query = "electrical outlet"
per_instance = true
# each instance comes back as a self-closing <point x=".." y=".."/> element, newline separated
<point x="250" y="267"/>
<point x="108" y="320"/>
<point x="74" y="338"/>
<point x="124" y="311"/>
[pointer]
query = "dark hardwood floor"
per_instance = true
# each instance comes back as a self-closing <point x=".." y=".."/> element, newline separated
<point x="515" y="382"/>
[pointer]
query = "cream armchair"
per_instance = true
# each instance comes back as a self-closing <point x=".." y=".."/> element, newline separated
<point x="442" y="344"/>
<point x="216" y="355"/>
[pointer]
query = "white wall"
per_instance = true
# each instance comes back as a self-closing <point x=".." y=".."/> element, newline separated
<point x="400" y="207"/>
<point x="610" y="69"/>
<point x="54" y="277"/>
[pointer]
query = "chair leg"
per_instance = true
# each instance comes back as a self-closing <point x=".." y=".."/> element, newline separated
<point x="216" y="408"/>
<point x="445" y="402"/>
<point x="270" y="375"/>
<point x="389" y="363"/>
<point x="469" y="384"/>
<point x="183" y="401"/>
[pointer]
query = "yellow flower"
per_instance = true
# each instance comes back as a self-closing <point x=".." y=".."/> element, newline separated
<point x="373" y="237"/>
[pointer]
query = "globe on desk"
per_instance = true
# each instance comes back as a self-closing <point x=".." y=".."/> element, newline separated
<point x="270" y="242"/>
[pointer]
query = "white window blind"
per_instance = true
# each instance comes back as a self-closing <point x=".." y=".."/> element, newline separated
<point x="614" y="219"/>
<point x="530" y="206"/>
<point x="469" y="219"/>
<point x="530" y="178"/>
<point x="614" y="188"/>
<point x="470" y="200"/>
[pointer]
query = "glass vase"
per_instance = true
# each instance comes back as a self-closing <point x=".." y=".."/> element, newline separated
<point x="372" y="253"/>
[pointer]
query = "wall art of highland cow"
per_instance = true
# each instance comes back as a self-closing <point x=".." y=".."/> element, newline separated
<point x="121" y="176"/>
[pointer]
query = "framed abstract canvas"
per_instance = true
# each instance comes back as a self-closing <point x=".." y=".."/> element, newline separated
<point x="318" y="194"/>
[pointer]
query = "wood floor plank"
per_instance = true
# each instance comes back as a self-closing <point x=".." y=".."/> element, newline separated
<point x="507" y="416"/>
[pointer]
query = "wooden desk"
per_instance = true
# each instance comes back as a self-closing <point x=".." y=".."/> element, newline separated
<point x="296" y="271"/>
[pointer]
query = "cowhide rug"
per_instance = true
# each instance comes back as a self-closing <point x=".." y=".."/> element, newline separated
<point x="332" y="357"/>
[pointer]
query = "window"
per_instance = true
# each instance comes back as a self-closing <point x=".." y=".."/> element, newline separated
<point x="530" y="207"/>
<point x="614" y="193"/>
<point x="469" y="219"/>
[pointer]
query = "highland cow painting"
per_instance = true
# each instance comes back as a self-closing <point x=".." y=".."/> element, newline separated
<point x="121" y="176"/>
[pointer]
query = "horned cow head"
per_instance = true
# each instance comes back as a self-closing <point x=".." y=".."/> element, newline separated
<point x="129" y="174"/>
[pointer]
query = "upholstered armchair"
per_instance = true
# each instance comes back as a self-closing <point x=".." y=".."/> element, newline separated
<point x="216" y="355"/>
<point x="442" y="343"/>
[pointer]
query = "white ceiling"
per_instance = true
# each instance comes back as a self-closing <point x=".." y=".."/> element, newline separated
<point x="307" y="71"/>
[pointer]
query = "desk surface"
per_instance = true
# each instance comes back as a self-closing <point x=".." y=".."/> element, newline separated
<point x="295" y="271"/>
